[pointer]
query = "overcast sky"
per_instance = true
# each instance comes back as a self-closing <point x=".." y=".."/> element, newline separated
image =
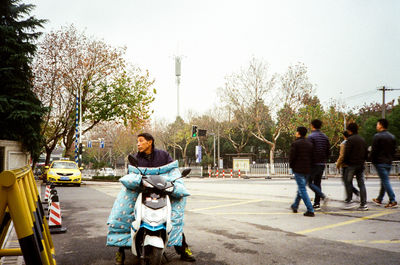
<point x="350" y="47"/>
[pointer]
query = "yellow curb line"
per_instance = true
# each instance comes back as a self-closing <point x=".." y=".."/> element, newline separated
<point x="345" y="223"/>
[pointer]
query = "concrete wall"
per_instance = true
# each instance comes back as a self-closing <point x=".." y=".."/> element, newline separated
<point x="12" y="156"/>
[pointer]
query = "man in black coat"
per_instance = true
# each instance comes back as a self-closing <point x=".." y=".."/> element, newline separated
<point x="355" y="155"/>
<point x="382" y="153"/>
<point x="300" y="160"/>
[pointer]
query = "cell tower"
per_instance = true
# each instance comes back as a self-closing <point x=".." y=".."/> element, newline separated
<point x="178" y="60"/>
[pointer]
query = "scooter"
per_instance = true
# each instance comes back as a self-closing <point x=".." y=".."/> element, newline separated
<point x="151" y="228"/>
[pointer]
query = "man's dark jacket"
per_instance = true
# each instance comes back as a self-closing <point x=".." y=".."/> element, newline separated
<point x="301" y="154"/>
<point x="321" y="147"/>
<point x="157" y="158"/>
<point x="383" y="148"/>
<point x="356" y="151"/>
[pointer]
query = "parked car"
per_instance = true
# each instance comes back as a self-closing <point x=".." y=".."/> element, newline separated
<point x="107" y="171"/>
<point x="64" y="172"/>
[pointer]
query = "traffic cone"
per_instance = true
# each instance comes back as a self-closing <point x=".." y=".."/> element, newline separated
<point x="217" y="173"/>
<point x="55" y="222"/>
<point x="209" y="173"/>
<point x="231" y="174"/>
<point x="239" y="173"/>
<point x="223" y="173"/>
<point x="52" y="193"/>
<point x="47" y="193"/>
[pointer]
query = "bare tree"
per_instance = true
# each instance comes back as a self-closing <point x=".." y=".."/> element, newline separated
<point x="293" y="88"/>
<point x="255" y="96"/>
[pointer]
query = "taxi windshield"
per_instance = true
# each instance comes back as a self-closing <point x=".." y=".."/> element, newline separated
<point x="64" y="165"/>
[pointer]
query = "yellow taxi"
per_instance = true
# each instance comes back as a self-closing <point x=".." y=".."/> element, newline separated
<point x="64" y="172"/>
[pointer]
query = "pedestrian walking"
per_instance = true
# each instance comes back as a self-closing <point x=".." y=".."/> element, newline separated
<point x="383" y="150"/>
<point x="320" y="151"/>
<point x="300" y="160"/>
<point x="342" y="166"/>
<point x="355" y="155"/>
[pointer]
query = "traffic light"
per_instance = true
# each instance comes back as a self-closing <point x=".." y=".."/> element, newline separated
<point x="194" y="131"/>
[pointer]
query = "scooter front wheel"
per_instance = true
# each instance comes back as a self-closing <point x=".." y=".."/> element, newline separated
<point x="154" y="255"/>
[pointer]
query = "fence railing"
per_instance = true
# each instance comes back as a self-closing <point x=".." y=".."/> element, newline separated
<point x="88" y="173"/>
<point x="282" y="170"/>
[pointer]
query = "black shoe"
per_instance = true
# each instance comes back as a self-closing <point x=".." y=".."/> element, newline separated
<point x="293" y="209"/>
<point x="309" y="214"/>
<point x="188" y="256"/>
<point x="317" y="207"/>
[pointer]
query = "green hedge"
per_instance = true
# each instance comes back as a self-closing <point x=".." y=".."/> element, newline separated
<point x="106" y="178"/>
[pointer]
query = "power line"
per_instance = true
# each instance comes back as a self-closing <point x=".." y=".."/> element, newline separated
<point x="361" y="94"/>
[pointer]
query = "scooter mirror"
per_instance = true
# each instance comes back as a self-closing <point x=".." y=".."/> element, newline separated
<point x="186" y="172"/>
<point x="132" y="160"/>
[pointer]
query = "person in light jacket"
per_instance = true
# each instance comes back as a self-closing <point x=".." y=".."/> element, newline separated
<point x="343" y="166"/>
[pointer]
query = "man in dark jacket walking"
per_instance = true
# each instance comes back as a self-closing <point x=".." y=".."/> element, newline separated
<point x="383" y="150"/>
<point x="320" y="151"/>
<point x="300" y="162"/>
<point x="355" y="155"/>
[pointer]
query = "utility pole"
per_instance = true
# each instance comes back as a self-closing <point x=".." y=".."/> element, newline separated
<point x="383" y="102"/>
<point x="178" y="60"/>
<point x="218" y="149"/>
<point x="384" y="89"/>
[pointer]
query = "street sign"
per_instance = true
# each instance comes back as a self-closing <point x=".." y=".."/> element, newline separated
<point x="89" y="144"/>
<point x="102" y="144"/>
<point x="198" y="153"/>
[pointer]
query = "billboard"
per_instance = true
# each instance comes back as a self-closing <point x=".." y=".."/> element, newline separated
<point x="241" y="163"/>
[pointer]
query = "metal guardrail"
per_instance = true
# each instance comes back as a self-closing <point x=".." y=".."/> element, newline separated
<point x="21" y="204"/>
<point x="282" y="170"/>
<point x="89" y="173"/>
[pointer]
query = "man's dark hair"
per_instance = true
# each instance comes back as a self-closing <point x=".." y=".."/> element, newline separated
<point x="345" y="134"/>
<point x="352" y="127"/>
<point x="302" y="131"/>
<point x="384" y="123"/>
<point x="148" y="137"/>
<point x="317" y="124"/>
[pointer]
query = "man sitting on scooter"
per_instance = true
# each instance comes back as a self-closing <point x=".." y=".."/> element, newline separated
<point x="148" y="157"/>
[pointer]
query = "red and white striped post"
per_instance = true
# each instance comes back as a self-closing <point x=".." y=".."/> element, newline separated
<point x="223" y="173"/>
<point x="47" y="193"/>
<point x="55" y="225"/>
<point x="209" y="173"/>
<point x="239" y="173"/>
<point x="217" y="173"/>
<point x="231" y="174"/>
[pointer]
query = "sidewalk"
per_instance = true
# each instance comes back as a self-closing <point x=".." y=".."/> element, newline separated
<point x="12" y="242"/>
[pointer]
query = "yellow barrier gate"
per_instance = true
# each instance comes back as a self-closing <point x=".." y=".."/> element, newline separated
<point x="20" y="202"/>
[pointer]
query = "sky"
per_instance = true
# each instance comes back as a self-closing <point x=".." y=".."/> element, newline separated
<point x="351" y="47"/>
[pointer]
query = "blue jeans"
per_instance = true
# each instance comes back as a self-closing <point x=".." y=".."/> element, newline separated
<point x="383" y="172"/>
<point x="302" y="192"/>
